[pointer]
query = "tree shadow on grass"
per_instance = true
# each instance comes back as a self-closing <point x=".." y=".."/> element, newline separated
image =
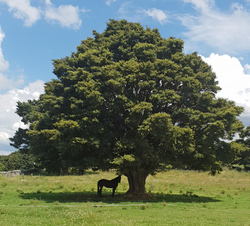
<point x="89" y="196"/>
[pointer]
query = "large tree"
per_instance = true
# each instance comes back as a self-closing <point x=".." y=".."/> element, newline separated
<point x="130" y="99"/>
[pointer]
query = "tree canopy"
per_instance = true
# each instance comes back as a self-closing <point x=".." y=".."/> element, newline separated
<point x="130" y="99"/>
<point x="16" y="161"/>
<point x="243" y="157"/>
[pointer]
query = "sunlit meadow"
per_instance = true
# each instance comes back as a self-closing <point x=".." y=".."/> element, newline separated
<point x="176" y="198"/>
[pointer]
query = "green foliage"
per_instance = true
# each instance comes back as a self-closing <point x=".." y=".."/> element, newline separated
<point x="16" y="161"/>
<point x="128" y="92"/>
<point x="243" y="157"/>
<point x="2" y="166"/>
<point x="20" y="140"/>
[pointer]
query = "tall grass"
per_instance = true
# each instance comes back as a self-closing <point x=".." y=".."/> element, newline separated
<point x="178" y="198"/>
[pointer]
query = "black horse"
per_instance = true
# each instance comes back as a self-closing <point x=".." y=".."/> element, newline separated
<point x="108" y="184"/>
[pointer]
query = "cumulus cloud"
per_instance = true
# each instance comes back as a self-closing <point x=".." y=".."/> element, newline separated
<point x="23" y="10"/>
<point x="226" y="31"/>
<point x="233" y="80"/>
<point x="6" y="83"/>
<point x="65" y="15"/>
<point x="247" y="69"/>
<point x="3" y="63"/>
<point x="157" y="14"/>
<point x="133" y="13"/>
<point x="9" y="83"/>
<point x="9" y="120"/>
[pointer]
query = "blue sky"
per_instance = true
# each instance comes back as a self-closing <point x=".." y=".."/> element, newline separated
<point x="33" y="32"/>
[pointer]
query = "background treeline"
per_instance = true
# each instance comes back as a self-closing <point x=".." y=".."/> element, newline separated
<point x="242" y="160"/>
<point x="26" y="162"/>
<point x="16" y="161"/>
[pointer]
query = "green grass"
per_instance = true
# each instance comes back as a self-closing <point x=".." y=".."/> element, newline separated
<point x="178" y="198"/>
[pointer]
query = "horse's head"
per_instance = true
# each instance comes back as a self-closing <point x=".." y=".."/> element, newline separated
<point x="119" y="178"/>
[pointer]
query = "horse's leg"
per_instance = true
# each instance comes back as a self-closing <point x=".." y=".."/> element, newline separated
<point x="113" y="194"/>
<point x="97" y="188"/>
<point x="100" y="191"/>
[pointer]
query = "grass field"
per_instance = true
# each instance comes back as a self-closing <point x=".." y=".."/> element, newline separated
<point x="178" y="198"/>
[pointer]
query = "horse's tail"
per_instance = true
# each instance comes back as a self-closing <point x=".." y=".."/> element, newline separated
<point x="98" y="188"/>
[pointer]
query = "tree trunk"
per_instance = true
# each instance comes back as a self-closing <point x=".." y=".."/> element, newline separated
<point x="136" y="181"/>
<point x="65" y="171"/>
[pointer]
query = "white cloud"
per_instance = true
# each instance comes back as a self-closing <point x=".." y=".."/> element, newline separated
<point x="108" y="2"/>
<point x="204" y="5"/>
<point x="3" y="63"/>
<point x="156" y="14"/>
<point x="226" y="31"/>
<point x="4" y="137"/>
<point x="9" y="83"/>
<point x="247" y="69"/>
<point x="48" y="2"/>
<point x="65" y="15"/>
<point x="233" y="80"/>
<point x="134" y="14"/>
<point x="6" y="83"/>
<point x="23" y="10"/>
<point x="9" y="120"/>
